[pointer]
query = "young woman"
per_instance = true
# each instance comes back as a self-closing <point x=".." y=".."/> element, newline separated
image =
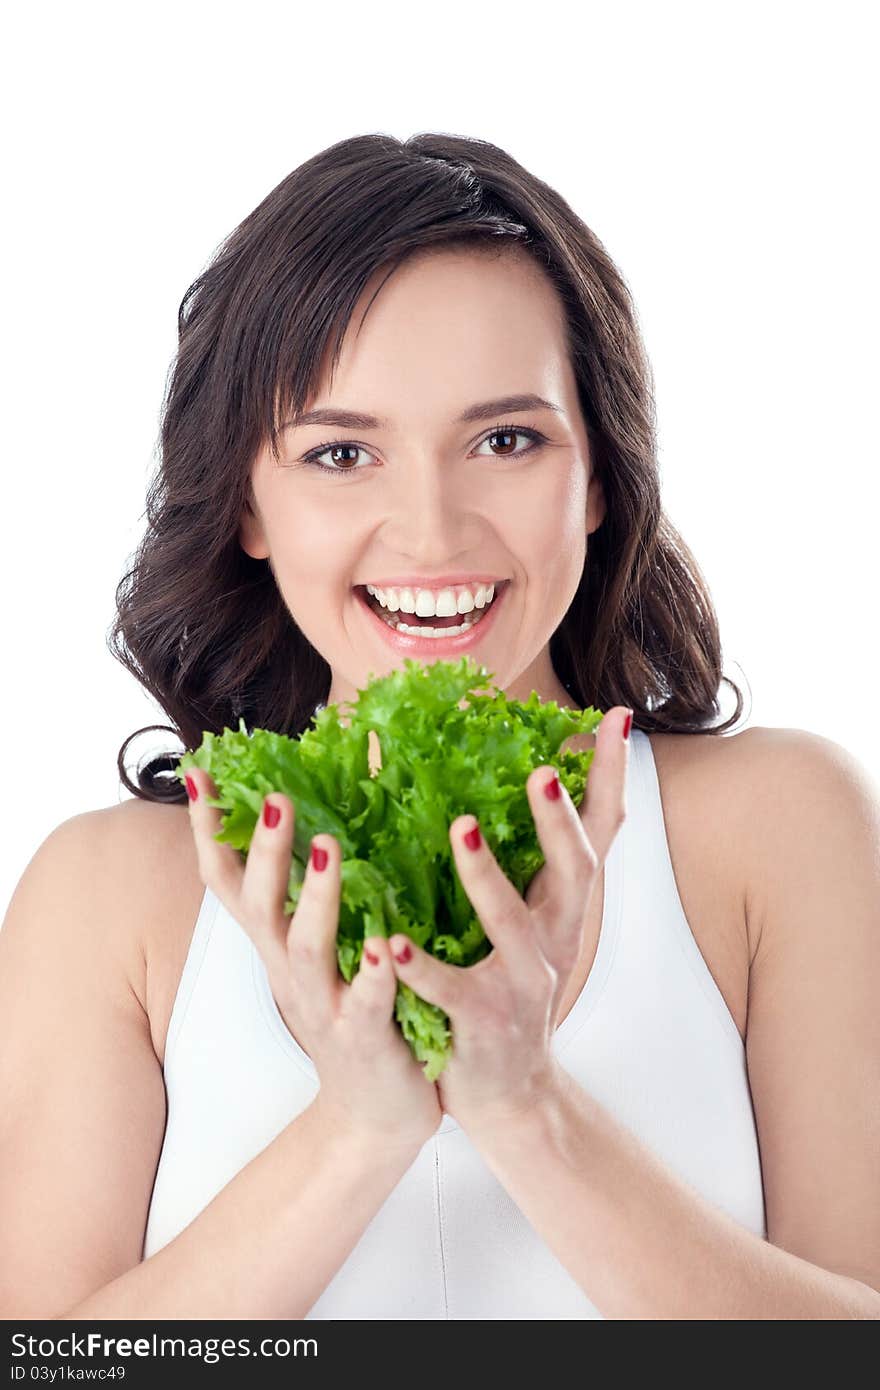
<point x="411" y="415"/>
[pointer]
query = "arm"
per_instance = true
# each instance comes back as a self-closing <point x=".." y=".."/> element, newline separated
<point x="82" y="1116"/>
<point x="641" y="1242"/>
<point x="270" y="1242"/>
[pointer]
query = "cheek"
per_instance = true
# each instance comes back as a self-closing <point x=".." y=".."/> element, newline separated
<point x="309" y="554"/>
<point x="545" y="525"/>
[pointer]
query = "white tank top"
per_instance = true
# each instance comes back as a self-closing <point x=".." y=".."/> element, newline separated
<point x="649" y="1036"/>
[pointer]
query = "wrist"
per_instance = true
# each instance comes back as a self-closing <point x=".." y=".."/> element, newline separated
<point x="534" y="1115"/>
<point x="366" y="1143"/>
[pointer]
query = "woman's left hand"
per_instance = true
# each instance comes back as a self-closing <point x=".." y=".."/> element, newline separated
<point x="504" y="1008"/>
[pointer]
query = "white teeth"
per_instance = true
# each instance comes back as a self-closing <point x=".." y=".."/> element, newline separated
<point x="446" y="604"/>
<point x="427" y="603"/>
<point x="425" y="630"/>
<point x="434" y="631"/>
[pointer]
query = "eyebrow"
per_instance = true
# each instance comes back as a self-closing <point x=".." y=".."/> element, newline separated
<point x="481" y="410"/>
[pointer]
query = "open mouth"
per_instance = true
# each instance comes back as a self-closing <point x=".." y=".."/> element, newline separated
<point x="410" y="624"/>
<point x="419" y="635"/>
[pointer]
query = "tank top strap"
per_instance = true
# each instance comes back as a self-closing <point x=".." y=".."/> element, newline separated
<point x="656" y="929"/>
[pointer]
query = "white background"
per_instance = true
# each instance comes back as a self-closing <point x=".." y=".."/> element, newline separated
<point x="725" y="156"/>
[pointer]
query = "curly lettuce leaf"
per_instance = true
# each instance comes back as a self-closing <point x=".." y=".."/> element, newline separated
<point x="438" y="761"/>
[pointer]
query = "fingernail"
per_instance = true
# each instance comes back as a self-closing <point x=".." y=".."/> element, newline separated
<point x="403" y="954"/>
<point x="551" y="788"/>
<point x="472" y="838"/>
<point x="374" y="960"/>
<point x="627" y="724"/>
<point x="192" y="790"/>
<point x="319" y="858"/>
<point x="271" y="814"/>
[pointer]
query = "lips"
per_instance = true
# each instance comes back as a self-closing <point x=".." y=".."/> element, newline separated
<point x="411" y="644"/>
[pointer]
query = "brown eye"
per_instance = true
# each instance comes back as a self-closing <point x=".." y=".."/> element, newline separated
<point x="510" y="436"/>
<point x="340" y="449"/>
<point x="340" y="467"/>
<point x="507" y="435"/>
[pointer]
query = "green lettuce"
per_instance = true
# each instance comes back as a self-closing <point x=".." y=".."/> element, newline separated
<point x="438" y="761"/>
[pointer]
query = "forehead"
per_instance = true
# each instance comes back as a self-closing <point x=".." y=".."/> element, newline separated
<point x="465" y="322"/>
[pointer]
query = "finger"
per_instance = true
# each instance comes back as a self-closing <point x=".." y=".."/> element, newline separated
<point x="570" y="860"/>
<point x="433" y="980"/>
<point x="311" y="935"/>
<point x="264" y="888"/>
<point x="374" y="985"/>
<point x="220" y="866"/>
<point x="502" y="913"/>
<point x="603" y="809"/>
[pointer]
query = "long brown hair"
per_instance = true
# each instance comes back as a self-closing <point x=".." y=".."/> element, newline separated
<point x="203" y="627"/>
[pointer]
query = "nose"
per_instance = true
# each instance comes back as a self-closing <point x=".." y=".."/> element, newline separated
<point x="431" y="513"/>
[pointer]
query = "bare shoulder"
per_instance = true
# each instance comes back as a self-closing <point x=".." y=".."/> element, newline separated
<point x="711" y="777"/>
<point x="739" y="773"/>
<point x="151" y="855"/>
<point x="760" y="754"/>
<point x="815" y="809"/>
<point x="705" y="754"/>
<point x="805" y="758"/>
<point x="768" y="788"/>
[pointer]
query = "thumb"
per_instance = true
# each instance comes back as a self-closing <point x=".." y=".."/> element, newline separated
<point x="431" y="979"/>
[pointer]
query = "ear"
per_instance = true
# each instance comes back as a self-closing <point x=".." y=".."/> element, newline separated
<point x="595" y="504"/>
<point x="251" y="536"/>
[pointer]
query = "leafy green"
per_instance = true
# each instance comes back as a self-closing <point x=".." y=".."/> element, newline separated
<point x="438" y="761"/>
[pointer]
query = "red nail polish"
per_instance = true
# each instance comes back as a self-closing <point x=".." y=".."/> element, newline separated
<point x="472" y="839"/>
<point x="271" y="814"/>
<point x="627" y="724"/>
<point x="319" y="857"/>
<point x="373" y="959"/>
<point x="551" y="789"/>
<point x="404" y="954"/>
<point x="192" y="790"/>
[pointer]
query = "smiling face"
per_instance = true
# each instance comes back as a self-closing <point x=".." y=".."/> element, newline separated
<point x="426" y="494"/>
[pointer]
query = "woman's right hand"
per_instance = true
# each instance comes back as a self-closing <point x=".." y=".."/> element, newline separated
<point x="370" y="1081"/>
